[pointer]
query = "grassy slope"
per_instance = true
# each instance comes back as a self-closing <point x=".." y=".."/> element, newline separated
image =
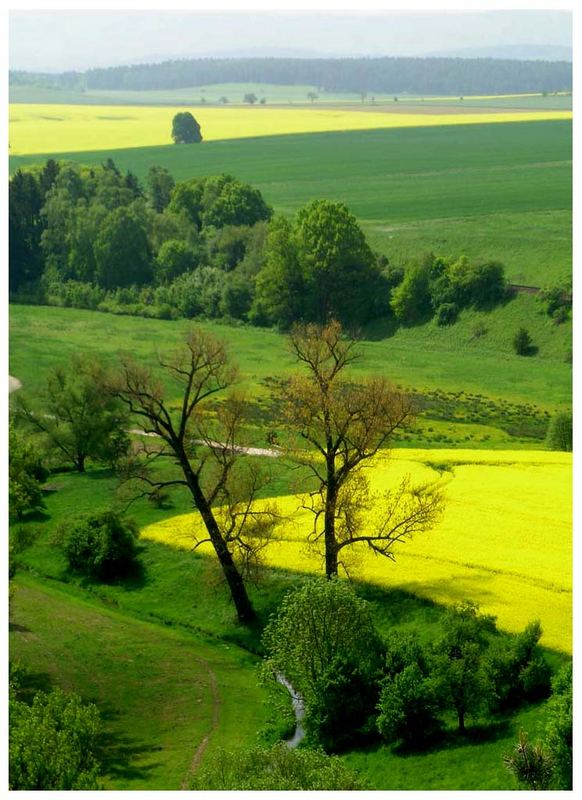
<point x="449" y="359"/>
<point x="127" y="666"/>
<point x="461" y="187"/>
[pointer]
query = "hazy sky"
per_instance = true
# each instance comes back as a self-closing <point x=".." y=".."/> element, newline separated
<point x="62" y="40"/>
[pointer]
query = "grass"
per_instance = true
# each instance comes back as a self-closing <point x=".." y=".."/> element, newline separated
<point x="68" y="128"/>
<point x="277" y="94"/>
<point x="497" y="191"/>
<point x="126" y="667"/>
<point x="470" y="763"/>
<point x="425" y="358"/>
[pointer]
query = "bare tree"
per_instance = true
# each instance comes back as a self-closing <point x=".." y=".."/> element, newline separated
<point x="204" y="444"/>
<point x="346" y="424"/>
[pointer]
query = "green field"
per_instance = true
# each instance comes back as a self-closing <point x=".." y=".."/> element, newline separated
<point x="277" y="94"/>
<point x="501" y="191"/>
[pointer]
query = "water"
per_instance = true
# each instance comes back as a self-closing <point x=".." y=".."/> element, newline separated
<point x="298" y="710"/>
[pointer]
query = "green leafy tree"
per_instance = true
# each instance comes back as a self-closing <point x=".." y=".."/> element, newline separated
<point x="411" y="299"/>
<point x="342" y="278"/>
<point x="174" y="258"/>
<point x="101" y="546"/>
<point x="53" y="743"/>
<point x="26" y="474"/>
<point x="159" y="188"/>
<point x="250" y="98"/>
<point x="280" y="285"/>
<point x="122" y="251"/>
<point x="409" y="702"/>
<point x="219" y="200"/>
<point x="78" y="419"/>
<point x="25" y="226"/>
<point x="560" y="432"/>
<point x="459" y="661"/>
<point x="320" y="625"/>
<point x="185" y="129"/>
<point x="277" y="768"/>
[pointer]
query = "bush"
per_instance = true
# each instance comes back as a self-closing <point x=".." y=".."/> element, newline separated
<point x="522" y="343"/>
<point x="558" y="732"/>
<point x="277" y="768"/>
<point x="409" y="706"/>
<point x="560" y="434"/>
<point x="517" y="668"/>
<point x="101" y="546"/>
<point x="530" y="763"/>
<point x="53" y="743"/>
<point x="447" y="313"/>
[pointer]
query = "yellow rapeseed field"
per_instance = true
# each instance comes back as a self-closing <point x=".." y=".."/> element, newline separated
<point x="75" y="128"/>
<point x="505" y="540"/>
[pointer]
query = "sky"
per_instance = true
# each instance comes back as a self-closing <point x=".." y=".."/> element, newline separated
<point x="54" y="41"/>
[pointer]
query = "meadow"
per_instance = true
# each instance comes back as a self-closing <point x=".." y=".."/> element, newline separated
<point x="279" y="94"/>
<point x="61" y="128"/>
<point x="494" y="191"/>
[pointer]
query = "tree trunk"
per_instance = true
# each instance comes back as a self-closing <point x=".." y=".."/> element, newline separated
<point x="234" y="579"/>
<point x="80" y="463"/>
<point x="461" y="718"/>
<point x="329" y="523"/>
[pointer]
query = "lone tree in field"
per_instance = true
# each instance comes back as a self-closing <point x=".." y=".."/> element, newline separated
<point x="185" y="129"/>
<point x="204" y="444"/>
<point x="346" y="424"/>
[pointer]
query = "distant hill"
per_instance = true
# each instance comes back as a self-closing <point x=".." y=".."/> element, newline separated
<point x="424" y="76"/>
<point x="515" y="52"/>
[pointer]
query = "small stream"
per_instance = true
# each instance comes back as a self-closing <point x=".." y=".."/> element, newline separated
<point x="298" y="710"/>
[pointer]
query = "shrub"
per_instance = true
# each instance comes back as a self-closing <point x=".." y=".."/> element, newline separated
<point x="558" y="732"/>
<point x="409" y="705"/>
<point x="447" y="313"/>
<point x="560" y="435"/>
<point x="277" y="768"/>
<point x="101" y="546"/>
<point x="518" y="669"/>
<point x="522" y="343"/>
<point x="53" y="743"/>
<point x="531" y="764"/>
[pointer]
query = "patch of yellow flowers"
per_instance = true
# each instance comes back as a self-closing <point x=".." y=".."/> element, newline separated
<point x="505" y="540"/>
<point x="37" y="128"/>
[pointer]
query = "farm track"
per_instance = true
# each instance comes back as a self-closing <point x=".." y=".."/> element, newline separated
<point x="201" y="749"/>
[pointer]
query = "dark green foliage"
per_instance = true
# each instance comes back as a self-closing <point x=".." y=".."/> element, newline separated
<point x="173" y="259"/>
<point x="122" y="251"/>
<point x="517" y="668"/>
<point x="411" y="300"/>
<point x="185" y="129"/>
<point x="26" y="473"/>
<point x="409" y="701"/>
<point x="100" y="546"/>
<point x="343" y="708"/>
<point x="447" y="313"/>
<point x="530" y="763"/>
<point x="560" y="432"/>
<point x="556" y="300"/>
<point x="219" y="200"/>
<point x="53" y="743"/>
<point x="274" y="769"/>
<point x="522" y="343"/>
<point x="558" y="731"/>
<point x="324" y="642"/>
<point x="77" y="418"/>
<point x="423" y="76"/>
<point x="159" y="188"/>
<point x="459" y="663"/>
<point x="250" y="97"/>
<point x="25" y="227"/>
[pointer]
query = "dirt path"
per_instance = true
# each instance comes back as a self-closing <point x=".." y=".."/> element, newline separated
<point x="247" y="451"/>
<point x="13" y="384"/>
<point x="201" y="749"/>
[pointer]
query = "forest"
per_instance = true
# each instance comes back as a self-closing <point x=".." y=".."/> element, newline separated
<point x="399" y="75"/>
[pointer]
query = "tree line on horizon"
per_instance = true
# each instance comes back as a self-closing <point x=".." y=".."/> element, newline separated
<point x="397" y="75"/>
